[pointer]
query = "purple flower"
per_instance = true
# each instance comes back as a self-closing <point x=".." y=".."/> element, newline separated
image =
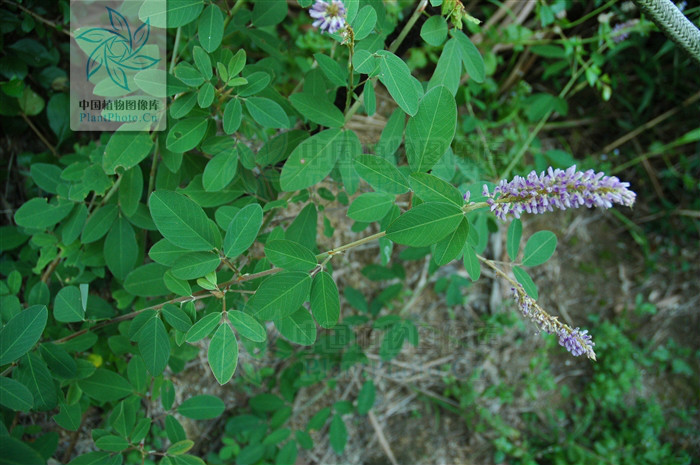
<point x="557" y="188"/>
<point x="329" y="16"/>
<point x="575" y="341"/>
<point x="621" y="31"/>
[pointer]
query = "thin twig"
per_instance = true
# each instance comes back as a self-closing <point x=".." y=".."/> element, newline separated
<point x="39" y="135"/>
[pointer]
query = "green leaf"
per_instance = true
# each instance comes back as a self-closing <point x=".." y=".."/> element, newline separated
<point x="380" y="174"/>
<point x="61" y="364"/>
<point x="220" y="171"/>
<point x="365" y="399"/>
<point x="318" y="110"/>
<point x="146" y="281"/>
<point x="46" y="176"/>
<point x="325" y="300"/>
<point x="15" y="395"/>
<point x="21" y="333"/>
<point x="434" y="30"/>
<point x="449" y="68"/>
<point x="203" y="62"/>
<point x="195" y="265"/>
<point x="338" y="434"/>
<point x="130" y="191"/>
<point x="279" y="295"/>
<point x="183" y="105"/>
<point x="69" y="417"/>
<point x="433" y="189"/>
<point x="186" y="134"/>
<point x="233" y="113"/>
<point x="269" y="13"/>
<point x="174" y="429"/>
<point x="471" y="263"/>
<point x="180" y="447"/>
<point x="154" y="346"/>
<point x="392" y="135"/>
<point x="515" y="231"/>
<point x="177" y="318"/>
<point x="15" y="452"/>
<point x="165" y="253"/>
<point x="257" y="82"/>
<point x="523" y="278"/>
<point x="299" y="327"/>
<point x="539" y="248"/>
<point x="121" y="248"/>
<point x="364" y="22"/>
<point x="35" y="375"/>
<point x="243" y="230"/>
<point x="202" y="407"/>
<point x="267" y="113"/>
<point x="30" y="102"/>
<point x="36" y="213"/>
<point x="451" y="246"/>
<point x="472" y="59"/>
<point x="182" y="221"/>
<point x="203" y="327"/>
<point x="430" y="132"/>
<point x="179" y="12"/>
<point x="189" y="74"/>
<point x="112" y="443"/>
<point x="152" y="81"/>
<point x="425" y="224"/>
<point x="332" y="69"/>
<point x="364" y="62"/>
<point x="211" y="28"/>
<point x="205" y="95"/>
<point x="370" y="206"/>
<point x="99" y="223"/>
<point x="106" y="386"/>
<point x="312" y="160"/>
<point x="247" y="326"/>
<point x="393" y="341"/>
<point x="290" y="255"/>
<point x="125" y="150"/>
<point x="223" y="354"/>
<point x="397" y="78"/>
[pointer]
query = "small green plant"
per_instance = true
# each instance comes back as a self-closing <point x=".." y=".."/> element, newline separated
<point x="135" y="255"/>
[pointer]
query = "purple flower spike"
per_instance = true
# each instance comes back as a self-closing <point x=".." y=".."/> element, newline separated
<point x="575" y="341"/>
<point x="328" y="16"/>
<point x="562" y="189"/>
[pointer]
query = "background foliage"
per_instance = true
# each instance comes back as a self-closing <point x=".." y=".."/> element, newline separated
<point x="130" y="261"/>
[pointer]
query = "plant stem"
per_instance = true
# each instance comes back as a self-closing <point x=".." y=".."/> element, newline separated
<point x="173" y="60"/>
<point x="40" y="135"/>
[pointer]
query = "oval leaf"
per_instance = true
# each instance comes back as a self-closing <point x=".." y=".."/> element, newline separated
<point x="430" y="132"/>
<point x="182" y="221"/>
<point x="515" y="231"/>
<point x="325" y="300"/>
<point x="243" y="230"/>
<point x="21" y="333"/>
<point x="425" y="224"/>
<point x="539" y="248"/>
<point x="279" y="295"/>
<point x="202" y="407"/>
<point x="247" y="326"/>
<point x="222" y="354"/>
<point x="299" y="327"/>
<point x="290" y="255"/>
